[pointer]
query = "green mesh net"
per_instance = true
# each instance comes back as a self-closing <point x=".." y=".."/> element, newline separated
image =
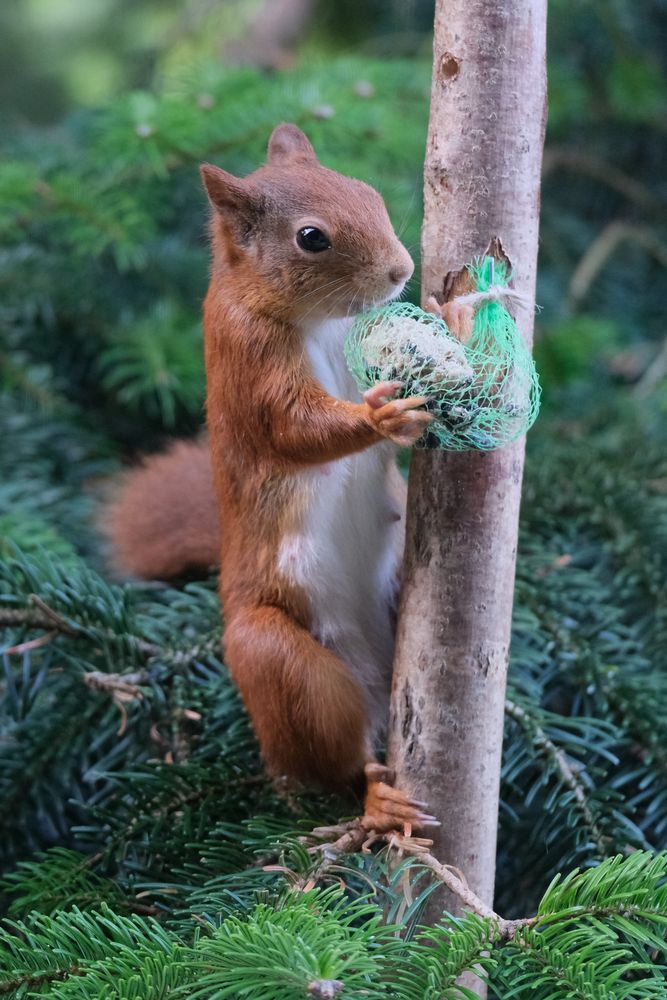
<point x="483" y="394"/>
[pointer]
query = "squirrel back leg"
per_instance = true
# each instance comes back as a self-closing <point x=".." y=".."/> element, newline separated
<point x="309" y="715"/>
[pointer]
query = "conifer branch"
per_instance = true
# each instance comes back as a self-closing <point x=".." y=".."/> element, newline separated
<point x="567" y="772"/>
<point x="44" y="617"/>
<point x="24" y="983"/>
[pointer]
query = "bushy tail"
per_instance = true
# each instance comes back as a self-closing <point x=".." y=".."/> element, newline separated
<point x="163" y="518"/>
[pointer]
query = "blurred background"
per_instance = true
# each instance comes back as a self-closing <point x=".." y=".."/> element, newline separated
<point x="107" y="108"/>
<point x="109" y="105"/>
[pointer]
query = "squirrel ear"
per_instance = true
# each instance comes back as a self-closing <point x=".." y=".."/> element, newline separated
<point x="288" y="144"/>
<point x="224" y="191"/>
<point x="231" y="197"/>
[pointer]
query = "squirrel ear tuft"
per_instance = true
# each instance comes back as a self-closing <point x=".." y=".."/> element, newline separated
<point x="288" y="144"/>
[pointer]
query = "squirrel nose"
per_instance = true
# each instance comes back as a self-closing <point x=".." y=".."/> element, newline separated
<point x="400" y="273"/>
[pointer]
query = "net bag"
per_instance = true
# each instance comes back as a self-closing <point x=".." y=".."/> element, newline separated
<point x="482" y="394"/>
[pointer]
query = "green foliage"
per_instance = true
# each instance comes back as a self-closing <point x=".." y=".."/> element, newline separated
<point x="571" y="348"/>
<point x="180" y="822"/>
<point x="598" y="935"/>
<point x="589" y="626"/>
<point x="156" y="365"/>
<point x="54" y="880"/>
<point x="104" y="263"/>
<point x="145" y="853"/>
<point x="279" y="953"/>
<point x="77" y="954"/>
<point x="437" y="956"/>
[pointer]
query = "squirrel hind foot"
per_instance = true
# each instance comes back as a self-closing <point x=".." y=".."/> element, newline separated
<point x="387" y="808"/>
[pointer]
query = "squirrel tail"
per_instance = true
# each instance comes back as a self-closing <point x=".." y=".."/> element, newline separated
<point x="163" y="519"/>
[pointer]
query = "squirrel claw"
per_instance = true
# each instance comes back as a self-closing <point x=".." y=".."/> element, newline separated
<point x="379" y="394"/>
<point x="387" y="811"/>
<point x="360" y="835"/>
<point x="400" y="420"/>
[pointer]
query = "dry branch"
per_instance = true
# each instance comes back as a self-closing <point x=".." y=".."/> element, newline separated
<point x="603" y="247"/>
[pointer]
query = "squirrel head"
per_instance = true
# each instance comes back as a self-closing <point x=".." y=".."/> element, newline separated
<point x="313" y="243"/>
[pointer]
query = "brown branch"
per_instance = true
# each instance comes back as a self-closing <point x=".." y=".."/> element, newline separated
<point x="125" y="685"/>
<point x="353" y="837"/>
<point x="42" y="616"/>
<point x="40" y="979"/>
<point x="41" y="640"/>
<point x="121" y="687"/>
<point x="654" y="374"/>
<point x="603" y="247"/>
<point x="324" y="989"/>
<point x="143" y="909"/>
<point x="446" y="874"/>
<point x="592" y="166"/>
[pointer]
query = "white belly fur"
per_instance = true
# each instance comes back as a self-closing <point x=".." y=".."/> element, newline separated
<point x="347" y="554"/>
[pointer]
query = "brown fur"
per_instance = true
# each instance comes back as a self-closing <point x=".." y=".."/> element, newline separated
<point x="268" y="419"/>
<point x="304" y="702"/>
<point x="163" y="519"/>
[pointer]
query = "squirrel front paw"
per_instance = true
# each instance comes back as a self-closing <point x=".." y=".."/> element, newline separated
<point x="399" y="420"/>
<point x="458" y="316"/>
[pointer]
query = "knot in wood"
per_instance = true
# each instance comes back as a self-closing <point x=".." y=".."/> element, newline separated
<point x="449" y="66"/>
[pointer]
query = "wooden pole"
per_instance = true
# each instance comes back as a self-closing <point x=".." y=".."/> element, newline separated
<point x="481" y="194"/>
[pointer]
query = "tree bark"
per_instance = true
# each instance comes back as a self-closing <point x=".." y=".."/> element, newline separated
<point x="481" y="193"/>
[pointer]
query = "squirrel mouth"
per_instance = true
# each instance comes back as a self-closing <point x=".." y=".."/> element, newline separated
<point x="390" y="296"/>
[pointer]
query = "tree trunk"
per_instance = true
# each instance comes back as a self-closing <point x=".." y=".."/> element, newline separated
<point x="269" y="40"/>
<point x="481" y="193"/>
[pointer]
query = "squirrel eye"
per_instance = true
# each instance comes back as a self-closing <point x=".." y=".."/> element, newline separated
<point x="312" y="239"/>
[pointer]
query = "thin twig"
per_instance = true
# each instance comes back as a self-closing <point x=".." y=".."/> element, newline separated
<point x="603" y="247"/>
<point x="125" y="684"/>
<point x="324" y="989"/>
<point x="354" y="837"/>
<point x="41" y="640"/>
<point x="121" y="687"/>
<point x="447" y="875"/>
<point x="654" y="374"/>
<point x="40" y="978"/>
<point x="600" y="170"/>
<point x="55" y="618"/>
<point x="28" y="617"/>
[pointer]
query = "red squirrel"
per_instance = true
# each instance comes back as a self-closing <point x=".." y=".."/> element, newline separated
<point x="309" y="497"/>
